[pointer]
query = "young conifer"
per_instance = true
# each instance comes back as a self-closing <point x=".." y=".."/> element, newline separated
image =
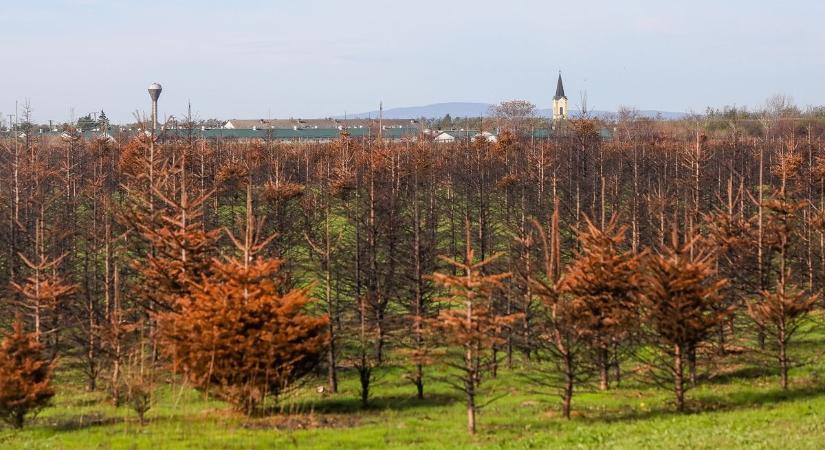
<point x="236" y="335"/>
<point x="681" y="306"/>
<point x="469" y="322"/>
<point x="603" y="281"/>
<point x="25" y="376"/>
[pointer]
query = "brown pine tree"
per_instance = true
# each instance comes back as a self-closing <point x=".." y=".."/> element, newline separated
<point x="42" y="295"/>
<point x="779" y="315"/>
<point x="604" y="280"/>
<point x="236" y="335"/>
<point x="168" y="220"/>
<point x="25" y="376"/>
<point x="562" y="330"/>
<point x="469" y="322"/>
<point x="681" y="306"/>
<point x="779" y="312"/>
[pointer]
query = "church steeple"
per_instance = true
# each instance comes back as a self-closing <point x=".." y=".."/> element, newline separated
<point x="559" y="89"/>
<point x="559" y="102"/>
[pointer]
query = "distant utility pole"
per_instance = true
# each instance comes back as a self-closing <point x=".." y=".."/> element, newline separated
<point x="154" y="93"/>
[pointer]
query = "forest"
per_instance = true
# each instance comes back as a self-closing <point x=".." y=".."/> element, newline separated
<point x="271" y="281"/>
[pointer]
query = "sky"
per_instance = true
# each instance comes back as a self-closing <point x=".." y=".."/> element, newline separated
<point x="319" y="58"/>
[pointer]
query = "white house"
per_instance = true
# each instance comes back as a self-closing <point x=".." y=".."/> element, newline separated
<point x="487" y="136"/>
<point x="444" y="138"/>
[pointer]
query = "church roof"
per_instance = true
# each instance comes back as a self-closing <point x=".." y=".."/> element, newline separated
<point x="559" y="89"/>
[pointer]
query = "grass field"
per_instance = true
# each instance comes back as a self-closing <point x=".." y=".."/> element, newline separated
<point x="741" y="407"/>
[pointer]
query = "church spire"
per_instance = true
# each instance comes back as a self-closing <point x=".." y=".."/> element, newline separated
<point x="559" y="101"/>
<point x="559" y="89"/>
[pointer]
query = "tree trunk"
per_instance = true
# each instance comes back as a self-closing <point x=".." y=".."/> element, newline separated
<point x="617" y="365"/>
<point x="678" y="378"/>
<point x="783" y="357"/>
<point x="379" y="329"/>
<point x="332" y="376"/>
<point x="760" y="237"/>
<point x="692" y="363"/>
<point x="494" y="365"/>
<point x="722" y="350"/>
<point x="419" y="381"/>
<point x="604" y="366"/>
<point x="471" y="406"/>
<point x="364" y="376"/>
<point x="567" y="394"/>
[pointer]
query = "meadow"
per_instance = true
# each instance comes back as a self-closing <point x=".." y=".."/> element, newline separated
<point x="737" y="404"/>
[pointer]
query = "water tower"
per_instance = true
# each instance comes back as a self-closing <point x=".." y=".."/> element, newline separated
<point x="154" y="93"/>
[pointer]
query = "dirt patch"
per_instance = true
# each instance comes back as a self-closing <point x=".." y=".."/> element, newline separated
<point x="72" y="423"/>
<point x="303" y="422"/>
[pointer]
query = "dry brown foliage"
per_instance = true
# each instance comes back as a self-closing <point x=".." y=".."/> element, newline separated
<point x="25" y="376"/>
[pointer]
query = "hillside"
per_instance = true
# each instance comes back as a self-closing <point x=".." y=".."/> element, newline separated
<point x="479" y="109"/>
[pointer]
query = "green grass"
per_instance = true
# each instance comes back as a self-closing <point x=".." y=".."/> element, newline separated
<point x="742" y="409"/>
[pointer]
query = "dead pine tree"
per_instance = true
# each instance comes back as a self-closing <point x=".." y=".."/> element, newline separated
<point x="358" y="334"/>
<point x="468" y="324"/>
<point x="25" y="376"/>
<point x="167" y="228"/>
<point x="562" y="329"/>
<point x="779" y="312"/>
<point x="779" y="315"/>
<point x="734" y="239"/>
<point x="235" y="335"/>
<point x="42" y="294"/>
<point x="604" y="279"/>
<point x="421" y="224"/>
<point x="45" y="288"/>
<point x="681" y="308"/>
<point x="117" y="336"/>
<point x="334" y="181"/>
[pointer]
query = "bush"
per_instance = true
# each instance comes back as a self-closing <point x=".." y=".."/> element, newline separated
<point x="139" y="394"/>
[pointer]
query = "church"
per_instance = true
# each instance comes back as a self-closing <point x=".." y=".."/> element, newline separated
<point x="559" y="102"/>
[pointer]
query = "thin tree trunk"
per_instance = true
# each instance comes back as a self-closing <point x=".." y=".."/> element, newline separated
<point x="692" y="363"/>
<point x="567" y="395"/>
<point x="678" y="378"/>
<point x="604" y="366"/>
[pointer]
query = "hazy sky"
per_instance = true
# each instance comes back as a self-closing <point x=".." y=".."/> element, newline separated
<point x="255" y="58"/>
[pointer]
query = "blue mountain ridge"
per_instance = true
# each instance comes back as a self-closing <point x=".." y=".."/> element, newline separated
<point x="478" y="109"/>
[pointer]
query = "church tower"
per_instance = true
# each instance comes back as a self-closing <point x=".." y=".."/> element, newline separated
<point x="559" y="102"/>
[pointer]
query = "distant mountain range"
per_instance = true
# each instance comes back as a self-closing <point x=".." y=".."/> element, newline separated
<point x="475" y="109"/>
